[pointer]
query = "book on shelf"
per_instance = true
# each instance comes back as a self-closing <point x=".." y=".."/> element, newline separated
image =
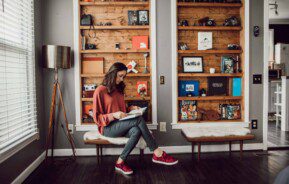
<point x="217" y="86"/>
<point x="134" y="113"/>
<point x="188" y="110"/>
<point x="237" y="87"/>
<point x="230" y="111"/>
<point x="142" y="88"/>
<point x="188" y="88"/>
<point x="140" y="42"/>
<point x="227" y="64"/>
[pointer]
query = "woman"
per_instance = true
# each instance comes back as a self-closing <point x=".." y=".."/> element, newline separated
<point x="109" y="106"/>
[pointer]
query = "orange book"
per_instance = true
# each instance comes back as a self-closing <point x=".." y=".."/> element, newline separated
<point x="140" y="42"/>
<point x="142" y="88"/>
<point x="87" y="109"/>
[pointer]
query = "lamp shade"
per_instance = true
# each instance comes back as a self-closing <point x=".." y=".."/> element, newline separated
<point x="56" y="57"/>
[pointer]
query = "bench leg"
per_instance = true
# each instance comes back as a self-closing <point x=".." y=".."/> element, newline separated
<point x="230" y="147"/>
<point x="199" y="151"/>
<point x="97" y="153"/>
<point x="101" y="151"/>
<point x="141" y="153"/>
<point x="241" y="148"/>
<point x="193" y="150"/>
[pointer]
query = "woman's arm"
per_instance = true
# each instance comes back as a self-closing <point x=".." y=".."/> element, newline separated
<point x="100" y="118"/>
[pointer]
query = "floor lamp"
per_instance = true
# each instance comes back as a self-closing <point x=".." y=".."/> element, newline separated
<point x="56" y="57"/>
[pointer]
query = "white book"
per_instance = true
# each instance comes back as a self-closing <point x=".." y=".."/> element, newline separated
<point x="134" y="113"/>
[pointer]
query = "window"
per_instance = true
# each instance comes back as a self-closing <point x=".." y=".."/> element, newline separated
<point x="17" y="75"/>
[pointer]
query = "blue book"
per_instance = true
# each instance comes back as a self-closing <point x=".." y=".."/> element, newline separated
<point x="189" y="88"/>
<point x="237" y="87"/>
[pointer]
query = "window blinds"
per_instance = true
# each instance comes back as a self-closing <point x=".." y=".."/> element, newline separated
<point x="17" y="74"/>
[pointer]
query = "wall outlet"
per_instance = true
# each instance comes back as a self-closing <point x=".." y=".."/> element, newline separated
<point x="257" y="79"/>
<point x="254" y="124"/>
<point x="71" y="128"/>
<point x="163" y="126"/>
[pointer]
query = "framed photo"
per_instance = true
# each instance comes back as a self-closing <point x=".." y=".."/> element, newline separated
<point x="192" y="64"/>
<point x="132" y="17"/>
<point x="143" y="17"/>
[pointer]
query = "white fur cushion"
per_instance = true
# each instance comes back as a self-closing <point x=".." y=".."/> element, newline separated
<point x="216" y="131"/>
<point x="91" y="135"/>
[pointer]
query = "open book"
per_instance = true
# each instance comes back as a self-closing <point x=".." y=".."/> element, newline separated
<point x="134" y="113"/>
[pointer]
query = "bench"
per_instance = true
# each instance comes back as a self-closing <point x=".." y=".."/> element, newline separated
<point x="95" y="138"/>
<point x="222" y="135"/>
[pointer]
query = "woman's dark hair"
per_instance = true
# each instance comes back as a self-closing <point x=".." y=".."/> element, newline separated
<point x="110" y="78"/>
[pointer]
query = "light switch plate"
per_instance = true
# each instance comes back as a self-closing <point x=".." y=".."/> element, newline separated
<point x="71" y="128"/>
<point x="163" y="126"/>
<point x="257" y="79"/>
<point x="162" y="79"/>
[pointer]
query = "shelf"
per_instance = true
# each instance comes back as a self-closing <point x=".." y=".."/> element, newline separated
<point x="210" y="75"/>
<point x="210" y="28"/>
<point x="209" y="51"/>
<point x="113" y="27"/>
<point x="128" y="75"/>
<point x="192" y="4"/>
<point x="113" y="51"/>
<point x="129" y="3"/>
<point x="217" y="121"/>
<point x="207" y="98"/>
<point x="126" y="99"/>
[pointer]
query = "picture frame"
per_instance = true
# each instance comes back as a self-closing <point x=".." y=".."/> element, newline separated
<point x="132" y="17"/>
<point x="143" y="17"/>
<point x="192" y="64"/>
<point x="205" y="40"/>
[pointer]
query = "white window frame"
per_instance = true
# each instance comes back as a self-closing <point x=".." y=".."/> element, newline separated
<point x="153" y="41"/>
<point x="25" y="141"/>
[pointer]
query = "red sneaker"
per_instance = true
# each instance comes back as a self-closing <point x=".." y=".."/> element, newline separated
<point x="123" y="168"/>
<point x="165" y="159"/>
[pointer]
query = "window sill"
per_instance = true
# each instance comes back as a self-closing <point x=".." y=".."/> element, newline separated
<point x="18" y="146"/>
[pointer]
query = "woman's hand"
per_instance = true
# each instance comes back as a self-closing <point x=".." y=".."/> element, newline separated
<point x="133" y="108"/>
<point x="119" y="115"/>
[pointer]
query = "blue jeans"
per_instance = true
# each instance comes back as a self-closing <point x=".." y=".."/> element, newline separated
<point x="132" y="128"/>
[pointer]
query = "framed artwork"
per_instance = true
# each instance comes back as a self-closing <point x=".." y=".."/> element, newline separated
<point x="205" y="40"/>
<point x="143" y="17"/>
<point x="192" y="64"/>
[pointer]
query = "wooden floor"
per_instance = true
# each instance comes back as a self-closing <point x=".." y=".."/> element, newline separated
<point x="255" y="168"/>
<point x="276" y="137"/>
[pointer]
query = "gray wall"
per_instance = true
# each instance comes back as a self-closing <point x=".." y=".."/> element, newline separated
<point x="58" y="29"/>
<point x="12" y="167"/>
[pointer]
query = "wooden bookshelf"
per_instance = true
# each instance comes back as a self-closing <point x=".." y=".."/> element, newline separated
<point x="211" y="98"/>
<point x="210" y="75"/>
<point x="128" y="75"/>
<point x="192" y="4"/>
<point x="222" y="36"/>
<point x="129" y="3"/>
<point x="126" y="99"/>
<point x="105" y="39"/>
<point x="210" y="28"/>
<point x="113" y="27"/>
<point x="209" y="51"/>
<point x="113" y="51"/>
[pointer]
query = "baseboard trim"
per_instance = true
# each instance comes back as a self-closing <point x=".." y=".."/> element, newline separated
<point x="29" y="169"/>
<point x="168" y="149"/>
